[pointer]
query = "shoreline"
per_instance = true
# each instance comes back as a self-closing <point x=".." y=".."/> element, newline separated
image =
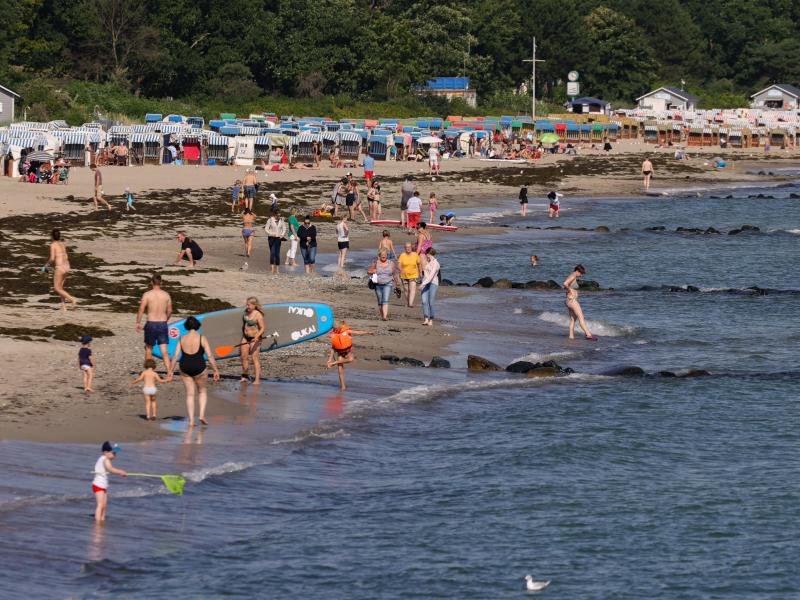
<point x="45" y="404"/>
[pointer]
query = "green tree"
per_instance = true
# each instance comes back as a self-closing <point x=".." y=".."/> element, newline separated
<point x="621" y="65"/>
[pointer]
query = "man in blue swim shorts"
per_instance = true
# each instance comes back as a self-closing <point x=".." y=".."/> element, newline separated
<point x="158" y="306"/>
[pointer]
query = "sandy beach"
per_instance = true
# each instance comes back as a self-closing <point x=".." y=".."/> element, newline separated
<point x="113" y="254"/>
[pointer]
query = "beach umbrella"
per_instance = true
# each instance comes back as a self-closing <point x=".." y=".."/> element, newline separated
<point x="429" y="139"/>
<point x="548" y="138"/>
<point x="40" y="156"/>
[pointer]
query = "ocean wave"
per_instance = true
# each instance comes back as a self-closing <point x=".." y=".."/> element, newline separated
<point x="229" y="467"/>
<point x="597" y="327"/>
<point x="535" y="357"/>
<point x="318" y="433"/>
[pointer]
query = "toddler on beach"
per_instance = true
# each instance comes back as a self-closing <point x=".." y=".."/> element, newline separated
<point x="236" y="191"/>
<point x="149" y="378"/>
<point x="342" y="348"/>
<point x="102" y="468"/>
<point x="85" y="363"/>
<point x="129" y="200"/>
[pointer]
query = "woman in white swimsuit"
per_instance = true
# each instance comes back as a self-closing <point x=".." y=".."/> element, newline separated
<point x="573" y="306"/>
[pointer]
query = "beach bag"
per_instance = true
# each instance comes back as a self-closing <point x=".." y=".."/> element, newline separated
<point x="372" y="282"/>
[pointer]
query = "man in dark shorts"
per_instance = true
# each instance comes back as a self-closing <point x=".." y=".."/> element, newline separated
<point x="158" y="306"/>
<point x="190" y="250"/>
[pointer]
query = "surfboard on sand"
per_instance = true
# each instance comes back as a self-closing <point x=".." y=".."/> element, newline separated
<point x="285" y="324"/>
<point x="391" y="223"/>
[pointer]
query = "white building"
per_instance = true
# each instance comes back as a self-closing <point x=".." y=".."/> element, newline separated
<point x="7" y="99"/>
<point x="780" y="96"/>
<point x="667" y="98"/>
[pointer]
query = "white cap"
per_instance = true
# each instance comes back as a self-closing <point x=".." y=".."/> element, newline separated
<point x="273" y="197"/>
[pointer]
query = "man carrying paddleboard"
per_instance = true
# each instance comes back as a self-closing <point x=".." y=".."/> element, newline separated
<point x="158" y="306"/>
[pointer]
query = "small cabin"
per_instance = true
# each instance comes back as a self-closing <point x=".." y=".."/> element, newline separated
<point x="667" y="98"/>
<point x="778" y="96"/>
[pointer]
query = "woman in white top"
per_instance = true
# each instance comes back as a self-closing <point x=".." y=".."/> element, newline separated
<point x="430" y="285"/>
<point x="342" y="239"/>
<point x="276" y="231"/>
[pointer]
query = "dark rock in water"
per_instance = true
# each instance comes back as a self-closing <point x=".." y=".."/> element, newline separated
<point x="392" y="358"/>
<point x="478" y="363"/>
<point x="554" y="227"/>
<point x="485" y="282"/>
<point x="462" y="284"/>
<point x="729" y="197"/>
<point x="502" y="283"/>
<point x="696" y="373"/>
<point x="589" y="286"/>
<point x="553" y="285"/>
<point x="734" y="232"/>
<point x="649" y="288"/>
<point x="758" y="291"/>
<point x="794" y="195"/>
<point x="692" y="288"/>
<point x="407" y="361"/>
<point x="750" y="228"/>
<point x="518" y="285"/>
<point x="521" y="366"/>
<point x="688" y="230"/>
<point x="602" y="229"/>
<point x="437" y="362"/>
<point x="714" y="197"/>
<point x="446" y="282"/>
<point x="542" y="372"/>
<point x="711" y="230"/>
<point x="666" y="374"/>
<point x="626" y="372"/>
<point x="656" y="228"/>
<point x="540" y="285"/>
<point x="760" y="172"/>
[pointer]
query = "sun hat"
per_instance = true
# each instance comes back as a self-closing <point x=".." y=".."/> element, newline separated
<point x="109" y="447"/>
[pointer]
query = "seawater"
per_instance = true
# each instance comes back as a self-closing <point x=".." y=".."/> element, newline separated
<point x="424" y="483"/>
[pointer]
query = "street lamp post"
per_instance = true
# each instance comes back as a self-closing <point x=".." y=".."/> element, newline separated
<point x="533" y="60"/>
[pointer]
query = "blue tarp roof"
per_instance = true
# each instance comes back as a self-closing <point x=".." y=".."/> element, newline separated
<point x="447" y="83"/>
<point x="152" y="118"/>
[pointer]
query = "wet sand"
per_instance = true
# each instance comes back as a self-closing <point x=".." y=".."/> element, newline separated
<point x="112" y="255"/>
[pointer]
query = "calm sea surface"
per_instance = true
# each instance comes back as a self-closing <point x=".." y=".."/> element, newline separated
<point x="423" y="483"/>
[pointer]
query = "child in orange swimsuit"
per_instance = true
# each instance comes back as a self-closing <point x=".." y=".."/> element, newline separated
<point x="342" y="348"/>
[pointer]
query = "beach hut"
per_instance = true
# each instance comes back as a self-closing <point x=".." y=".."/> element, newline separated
<point x="735" y="138"/>
<point x="777" y="137"/>
<point x="74" y="147"/>
<point x="651" y="133"/>
<point x="349" y="144"/>
<point x="146" y="148"/>
<point x="244" y="151"/>
<point x="303" y="146"/>
<point x="329" y="141"/>
<point x="261" y="148"/>
<point x="217" y="149"/>
<point x="191" y="143"/>
<point x="152" y="118"/>
<point x="378" y="145"/>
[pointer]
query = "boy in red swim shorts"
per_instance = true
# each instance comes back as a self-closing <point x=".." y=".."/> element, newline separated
<point x="102" y="468"/>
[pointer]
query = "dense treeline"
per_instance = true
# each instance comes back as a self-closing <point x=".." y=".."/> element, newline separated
<point x="377" y="50"/>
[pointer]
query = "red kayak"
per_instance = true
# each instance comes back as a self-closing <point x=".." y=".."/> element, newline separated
<point x="391" y="223"/>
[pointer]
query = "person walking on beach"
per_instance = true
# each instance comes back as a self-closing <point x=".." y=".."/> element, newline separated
<point x="523" y="200"/>
<point x="570" y="287"/>
<point x="276" y="231"/>
<point x="158" y="306"/>
<point x="102" y="468"/>
<point x="342" y="349"/>
<point x="433" y="159"/>
<point x="190" y="250"/>
<point x="387" y="245"/>
<point x="248" y="229"/>
<point x="413" y="211"/>
<point x="307" y="233"/>
<point x="374" y="200"/>
<point x="369" y="169"/>
<point x="98" y="188"/>
<point x="387" y="276"/>
<point x="342" y="240"/>
<point x="433" y="205"/>
<point x="424" y="241"/>
<point x="236" y="191"/>
<point x="149" y="378"/>
<point x="252" y="336"/>
<point x="249" y="188"/>
<point x="410" y="267"/>
<point x="339" y="195"/>
<point x="429" y="287"/>
<point x="293" y="226"/>
<point x="85" y="363"/>
<point x="60" y="261"/>
<point x="190" y="356"/>
<point x="555" y="204"/>
<point x="406" y="191"/>
<point x="647" y="172"/>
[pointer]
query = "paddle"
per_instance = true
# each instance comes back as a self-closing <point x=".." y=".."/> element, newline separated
<point x="174" y="483"/>
<point x="223" y="351"/>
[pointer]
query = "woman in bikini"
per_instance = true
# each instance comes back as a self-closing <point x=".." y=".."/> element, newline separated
<point x="248" y="229"/>
<point x="252" y="335"/>
<point x="573" y="306"/>
<point x="193" y="349"/>
<point x="424" y="241"/>
<point x="60" y="261"/>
